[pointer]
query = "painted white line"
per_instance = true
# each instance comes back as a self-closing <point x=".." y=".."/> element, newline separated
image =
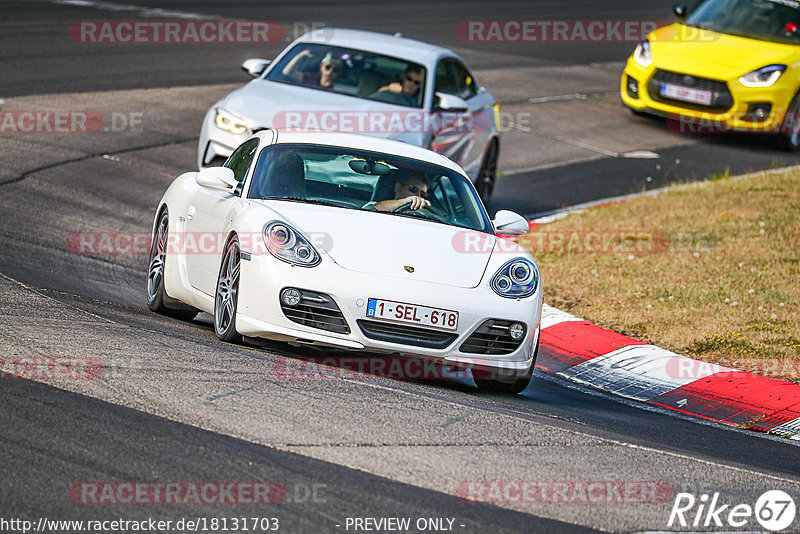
<point x="789" y="430"/>
<point x="641" y="372"/>
<point x="572" y="96"/>
<point x="138" y="10"/>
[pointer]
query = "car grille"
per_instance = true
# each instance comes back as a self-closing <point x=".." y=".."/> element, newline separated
<point x="722" y="100"/>
<point x="491" y="338"/>
<point x="317" y="310"/>
<point x="406" y="335"/>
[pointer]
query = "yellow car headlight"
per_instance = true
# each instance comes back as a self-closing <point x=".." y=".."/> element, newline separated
<point x="642" y="54"/>
<point x="229" y="123"/>
<point x="763" y="77"/>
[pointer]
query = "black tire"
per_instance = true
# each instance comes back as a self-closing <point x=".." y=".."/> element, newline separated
<point x="789" y="136"/>
<point x="487" y="381"/>
<point x="487" y="176"/>
<point x="226" y="296"/>
<point x="157" y="298"/>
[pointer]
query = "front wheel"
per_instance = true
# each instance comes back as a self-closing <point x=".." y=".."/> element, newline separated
<point x="489" y="381"/>
<point x="789" y="136"/>
<point x="226" y="300"/>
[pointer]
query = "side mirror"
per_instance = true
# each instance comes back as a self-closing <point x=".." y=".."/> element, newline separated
<point x="509" y="223"/>
<point x="680" y="10"/>
<point x="217" y="178"/>
<point x="255" y="67"/>
<point x="447" y="102"/>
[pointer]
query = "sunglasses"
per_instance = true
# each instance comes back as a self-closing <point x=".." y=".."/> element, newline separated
<point x="414" y="190"/>
<point x="412" y="80"/>
<point x="328" y="67"/>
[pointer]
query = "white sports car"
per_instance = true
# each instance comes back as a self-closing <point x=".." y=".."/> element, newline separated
<point x="363" y="82"/>
<point x="354" y="242"/>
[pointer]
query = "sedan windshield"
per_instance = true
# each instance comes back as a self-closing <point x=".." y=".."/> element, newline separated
<point x="769" y="20"/>
<point x="364" y="180"/>
<point x="352" y="72"/>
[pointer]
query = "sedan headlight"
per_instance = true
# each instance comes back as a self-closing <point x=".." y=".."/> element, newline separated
<point x="229" y="123"/>
<point x="642" y="54"/>
<point x="287" y="244"/>
<point x="516" y="279"/>
<point x="763" y="77"/>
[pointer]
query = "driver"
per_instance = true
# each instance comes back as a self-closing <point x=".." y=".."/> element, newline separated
<point x="407" y="190"/>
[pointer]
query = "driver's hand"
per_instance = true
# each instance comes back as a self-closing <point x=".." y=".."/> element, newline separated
<point x="395" y="87"/>
<point x="416" y="202"/>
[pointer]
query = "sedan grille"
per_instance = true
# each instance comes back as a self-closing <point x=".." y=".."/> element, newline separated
<point x="317" y="310"/>
<point x="721" y="99"/>
<point x="406" y="335"/>
<point x="492" y="337"/>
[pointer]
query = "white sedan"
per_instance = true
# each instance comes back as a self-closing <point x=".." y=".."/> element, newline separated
<point x="353" y="242"/>
<point x="363" y="82"/>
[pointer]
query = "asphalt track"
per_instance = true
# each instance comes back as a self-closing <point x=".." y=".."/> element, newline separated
<point x="176" y="405"/>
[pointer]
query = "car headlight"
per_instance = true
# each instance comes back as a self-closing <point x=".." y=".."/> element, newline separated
<point x="229" y="123"/>
<point x="287" y="244"/>
<point x="516" y="279"/>
<point x="763" y="77"/>
<point x="642" y="54"/>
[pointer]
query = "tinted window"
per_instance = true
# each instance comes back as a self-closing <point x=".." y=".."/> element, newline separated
<point x="453" y="78"/>
<point x="241" y="158"/>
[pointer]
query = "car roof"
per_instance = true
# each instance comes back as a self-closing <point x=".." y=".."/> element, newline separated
<point x="363" y="142"/>
<point x="381" y="43"/>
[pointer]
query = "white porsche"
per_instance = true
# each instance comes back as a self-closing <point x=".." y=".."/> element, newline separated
<point x="353" y="242"/>
<point x="363" y="82"/>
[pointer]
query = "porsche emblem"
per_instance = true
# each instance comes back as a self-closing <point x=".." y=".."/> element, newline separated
<point x="408" y="268"/>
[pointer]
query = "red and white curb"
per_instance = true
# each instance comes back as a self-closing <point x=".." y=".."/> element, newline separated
<point x="591" y="355"/>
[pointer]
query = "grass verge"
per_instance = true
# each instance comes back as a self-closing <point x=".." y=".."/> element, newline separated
<point x="709" y="270"/>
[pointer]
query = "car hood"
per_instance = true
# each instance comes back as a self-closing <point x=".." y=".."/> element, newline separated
<point x="266" y="104"/>
<point x="715" y="55"/>
<point x="384" y="244"/>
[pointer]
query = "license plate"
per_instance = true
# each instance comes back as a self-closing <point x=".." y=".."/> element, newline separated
<point x="686" y="94"/>
<point x="402" y="312"/>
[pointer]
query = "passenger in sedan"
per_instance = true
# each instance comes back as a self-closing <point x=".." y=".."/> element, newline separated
<point x="329" y="69"/>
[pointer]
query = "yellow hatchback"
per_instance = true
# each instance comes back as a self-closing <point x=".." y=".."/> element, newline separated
<point x="725" y="66"/>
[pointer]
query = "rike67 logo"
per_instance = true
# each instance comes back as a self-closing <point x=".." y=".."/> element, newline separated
<point x="774" y="510"/>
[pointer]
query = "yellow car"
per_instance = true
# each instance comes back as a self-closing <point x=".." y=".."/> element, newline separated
<point x="726" y="65"/>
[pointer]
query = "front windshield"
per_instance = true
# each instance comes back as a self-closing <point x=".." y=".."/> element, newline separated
<point x="769" y="20"/>
<point x="352" y="72"/>
<point x="363" y="180"/>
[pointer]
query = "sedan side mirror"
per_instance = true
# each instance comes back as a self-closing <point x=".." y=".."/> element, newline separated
<point x="509" y="223"/>
<point x="680" y="10"/>
<point x="217" y="178"/>
<point x="447" y="102"/>
<point x="255" y="67"/>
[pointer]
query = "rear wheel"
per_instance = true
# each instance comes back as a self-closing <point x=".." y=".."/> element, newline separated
<point x="157" y="297"/>
<point x="789" y="136"/>
<point x="489" y="381"/>
<point x="226" y="300"/>
<point x="488" y="173"/>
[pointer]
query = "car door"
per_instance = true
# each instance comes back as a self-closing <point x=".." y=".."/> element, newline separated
<point x="464" y="138"/>
<point x="209" y="213"/>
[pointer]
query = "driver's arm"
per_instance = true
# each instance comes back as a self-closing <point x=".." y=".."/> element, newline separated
<point x="414" y="202"/>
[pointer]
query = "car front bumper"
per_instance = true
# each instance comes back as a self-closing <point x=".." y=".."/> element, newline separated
<point x="260" y="315"/>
